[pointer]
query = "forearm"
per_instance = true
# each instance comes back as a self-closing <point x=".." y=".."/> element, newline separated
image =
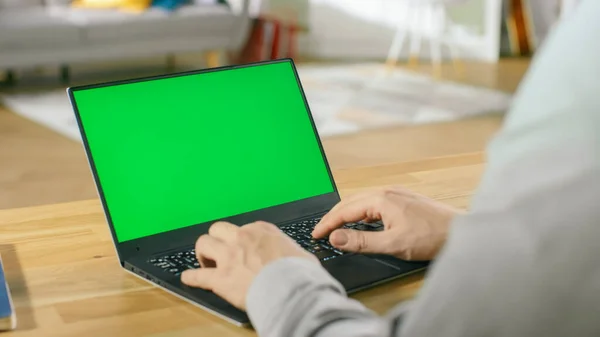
<point x="295" y="297"/>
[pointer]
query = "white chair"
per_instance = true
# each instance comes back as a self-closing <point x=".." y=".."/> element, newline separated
<point x="425" y="19"/>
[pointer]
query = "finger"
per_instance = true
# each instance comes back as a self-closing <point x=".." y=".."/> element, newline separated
<point x="209" y="248"/>
<point x="370" y="220"/>
<point x="320" y="230"/>
<point x="262" y="225"/>
<point x="200" y="278"/>
<point x="224" y="230"/>
<point x="359" y="209"/>
<point x="349" y="199"/>
<point x="360" y="242"/>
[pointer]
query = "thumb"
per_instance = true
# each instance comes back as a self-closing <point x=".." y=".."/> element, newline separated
<point x="199" y="278"/>
<point x="357" y="241"/>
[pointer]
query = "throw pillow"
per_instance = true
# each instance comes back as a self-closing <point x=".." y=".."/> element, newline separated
<point x="125" y="5"/>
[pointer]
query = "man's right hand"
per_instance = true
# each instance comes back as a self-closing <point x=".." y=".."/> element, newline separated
<point x="416" y="227"/>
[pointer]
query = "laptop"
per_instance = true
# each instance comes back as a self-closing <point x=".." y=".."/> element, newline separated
<point x="172" y="154"/>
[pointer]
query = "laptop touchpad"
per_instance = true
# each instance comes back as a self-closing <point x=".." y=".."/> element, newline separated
<point x="358" y="271"/>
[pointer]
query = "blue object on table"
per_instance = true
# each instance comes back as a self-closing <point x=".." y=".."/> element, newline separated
<point x="7" y="315"/>
<point x="169" y="5"/>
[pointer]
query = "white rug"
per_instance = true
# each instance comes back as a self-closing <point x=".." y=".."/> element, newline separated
<point x="343" y="99"/>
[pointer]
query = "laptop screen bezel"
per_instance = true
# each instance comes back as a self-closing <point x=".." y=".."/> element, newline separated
<point x="186" y="236"/>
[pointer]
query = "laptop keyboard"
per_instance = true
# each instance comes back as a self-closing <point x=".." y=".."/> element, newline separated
<point x="176" y="263"/>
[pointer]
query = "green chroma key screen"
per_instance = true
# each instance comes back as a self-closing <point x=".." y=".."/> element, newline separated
<point x="179" y="151"/>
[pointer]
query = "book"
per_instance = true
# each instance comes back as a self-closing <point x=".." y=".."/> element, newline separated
<point x="8" y="319"/>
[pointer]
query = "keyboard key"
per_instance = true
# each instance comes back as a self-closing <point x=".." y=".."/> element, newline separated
<point x="362" y="227"/>
<point x="339" y="252"/>
<point x="324" y="254"/>
<point x="377" y="229"/>
<point x="300" y="232"/>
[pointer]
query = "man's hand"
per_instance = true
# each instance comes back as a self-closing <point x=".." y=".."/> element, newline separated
<point x="232" y="256"/>
<point x="416" y="227"/>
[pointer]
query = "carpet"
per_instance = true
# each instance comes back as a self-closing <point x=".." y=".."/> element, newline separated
<point x="343" y="99"/>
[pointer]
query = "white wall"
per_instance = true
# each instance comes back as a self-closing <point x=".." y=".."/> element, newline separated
<point x="567" y="6"/>
<point x="365" y="28"/>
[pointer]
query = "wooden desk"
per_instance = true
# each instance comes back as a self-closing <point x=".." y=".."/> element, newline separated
<point x="66" y="281"/>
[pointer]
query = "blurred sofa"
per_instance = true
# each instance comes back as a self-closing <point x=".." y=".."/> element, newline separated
<point x="50" y="32"/>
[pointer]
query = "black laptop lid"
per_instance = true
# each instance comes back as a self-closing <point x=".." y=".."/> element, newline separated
<point x="173" y="154"/>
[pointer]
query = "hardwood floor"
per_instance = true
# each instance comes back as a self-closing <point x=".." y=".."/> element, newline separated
<point x="38" y="166"/>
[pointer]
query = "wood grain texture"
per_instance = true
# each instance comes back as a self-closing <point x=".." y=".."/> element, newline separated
<point x="39" y="166"/>
<point x="66" y="280"/>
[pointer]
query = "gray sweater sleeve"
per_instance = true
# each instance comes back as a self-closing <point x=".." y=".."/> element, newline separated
<point x="524" y="261"/>
<point x="296" y="297"/>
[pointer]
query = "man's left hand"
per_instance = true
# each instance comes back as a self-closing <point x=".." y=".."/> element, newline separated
<point x="231" y="257"/>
